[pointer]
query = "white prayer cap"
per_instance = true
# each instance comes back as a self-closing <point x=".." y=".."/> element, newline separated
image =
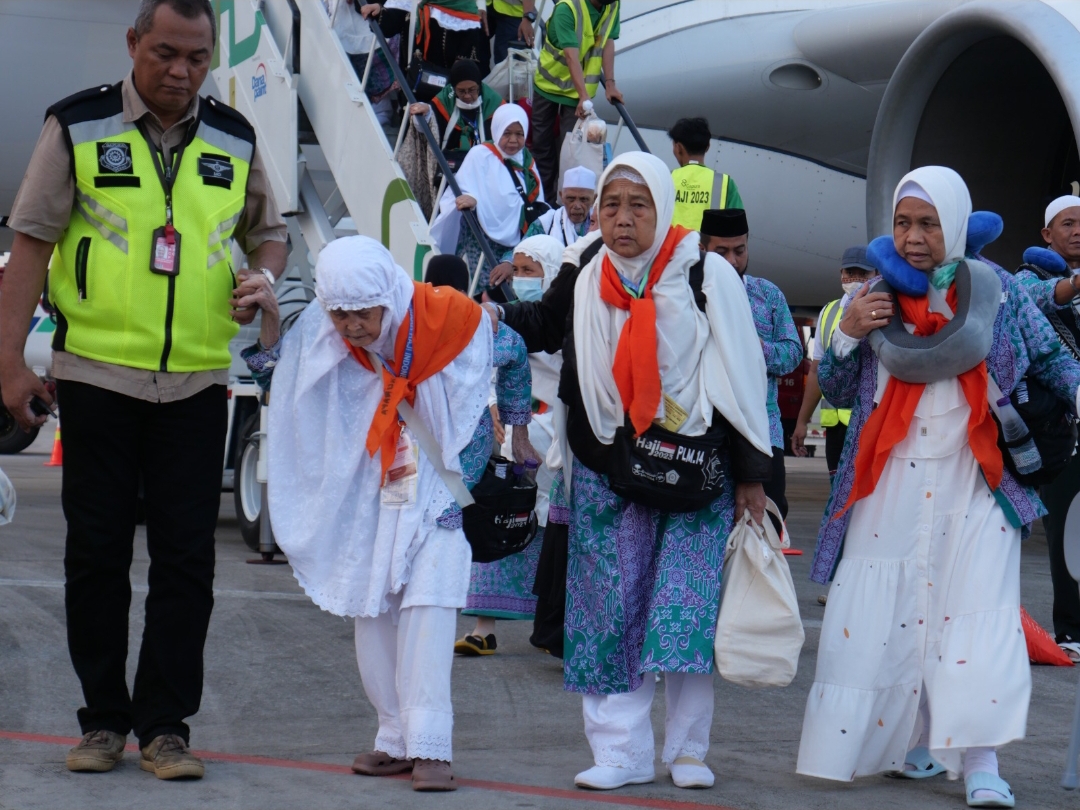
<point x="1059" y="205"/>
<point x="579" y="177"/>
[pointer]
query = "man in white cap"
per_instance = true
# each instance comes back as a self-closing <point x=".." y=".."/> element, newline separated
<point x="1050" y="277"/>
<point x="570" y="222"/>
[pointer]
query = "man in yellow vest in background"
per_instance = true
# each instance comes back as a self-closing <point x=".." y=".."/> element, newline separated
<point x="697" y="187"/>
<point x="134" y="192"/>
<point x="855" y="270"/>
<point x="579" y="41"/>
<point x="510" y="20"/>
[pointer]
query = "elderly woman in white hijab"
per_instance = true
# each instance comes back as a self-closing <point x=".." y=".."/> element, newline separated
<point x="504" y="589"/>
<point x="646" y="342"/>
<point x="499" y="181"/>
<point x="369" y="527"/>
<point x="922" y="665"/>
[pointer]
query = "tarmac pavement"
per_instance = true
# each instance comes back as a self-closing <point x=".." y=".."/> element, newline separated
<point x="284" y="713"/>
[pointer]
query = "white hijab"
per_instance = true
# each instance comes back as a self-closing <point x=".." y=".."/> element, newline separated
<point x="707" y="360"/>
<point x="946" y="190"/>
<point x="545" y="368"/>
<point x="347" y="553"/>
<point x="485" y="178"/>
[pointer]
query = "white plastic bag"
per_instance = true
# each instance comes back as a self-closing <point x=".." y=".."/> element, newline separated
<point x="512" y="78"/>
<point x="577" y="150"/>
<point x="759" y="632"/>
<point x="7" y="499"/>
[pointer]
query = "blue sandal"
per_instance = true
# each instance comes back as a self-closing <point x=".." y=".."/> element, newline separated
<point x="922" y="763"/>
<point x="981" y="780"/>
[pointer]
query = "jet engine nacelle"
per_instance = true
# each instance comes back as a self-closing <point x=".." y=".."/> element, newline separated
<point x="991" y="89"/>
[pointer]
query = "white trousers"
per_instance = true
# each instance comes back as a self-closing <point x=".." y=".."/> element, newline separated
<point x="619" y="727"/>
<point x="404" y="657"/>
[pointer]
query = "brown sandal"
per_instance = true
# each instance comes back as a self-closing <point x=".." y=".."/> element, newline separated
<point x="379" y="764"/>
<point x="432" y="775"/>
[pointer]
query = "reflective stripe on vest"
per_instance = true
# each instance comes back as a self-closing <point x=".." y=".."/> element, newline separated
<point x="693" y="194"/>
<point x="830" y="320"/>
<point x="111" y="306"/>
<point x="553" y="74"/>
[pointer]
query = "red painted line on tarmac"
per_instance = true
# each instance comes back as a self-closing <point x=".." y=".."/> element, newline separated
<point x="480" y="784"/>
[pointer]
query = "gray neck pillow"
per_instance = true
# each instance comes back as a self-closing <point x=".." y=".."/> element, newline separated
<point x="959" y="346"/>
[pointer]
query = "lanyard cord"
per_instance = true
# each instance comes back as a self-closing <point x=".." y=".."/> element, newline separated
<point x="166" y="174"/>
<point x="406" y="360"/>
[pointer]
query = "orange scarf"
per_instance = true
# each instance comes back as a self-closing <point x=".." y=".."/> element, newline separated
<point x="636" y="369"/>
<point x="888" y="425"/>
<point x="446" y="321"/>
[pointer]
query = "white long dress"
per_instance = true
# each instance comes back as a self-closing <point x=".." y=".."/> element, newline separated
<point x="927" y="594"/>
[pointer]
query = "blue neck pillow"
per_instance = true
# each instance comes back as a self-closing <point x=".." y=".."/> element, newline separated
<point x="1046" y="259"/>
<point x="983" y="228"/>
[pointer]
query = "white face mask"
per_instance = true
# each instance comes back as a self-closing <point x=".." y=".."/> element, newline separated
<point x="852" y="287"/>
<point x="528" y="289"/>
<point x="468" y="105"/>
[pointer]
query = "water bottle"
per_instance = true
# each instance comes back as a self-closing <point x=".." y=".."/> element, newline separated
<point x="529" y="478"/>
<point x="1025" y="454"/>
<point x="515" y="479"/>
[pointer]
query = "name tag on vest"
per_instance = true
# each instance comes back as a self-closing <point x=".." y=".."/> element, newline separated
<point x="216" y="170"/>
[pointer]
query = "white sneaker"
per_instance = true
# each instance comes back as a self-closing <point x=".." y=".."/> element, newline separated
<point x="688" y="772"/>
<point x="609" y="777"/>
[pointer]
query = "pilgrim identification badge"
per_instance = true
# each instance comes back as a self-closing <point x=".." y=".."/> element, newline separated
<point x="399" y="486"/>
<point x="673" y="417"/>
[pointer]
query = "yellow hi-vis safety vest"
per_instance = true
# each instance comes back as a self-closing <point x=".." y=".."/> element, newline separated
<point x="553" y="74"/>
<point x="693" y="194"/>
<point x="509" y="8"/>
<point x="110" y="305"/>
<point x="830" y="320"/>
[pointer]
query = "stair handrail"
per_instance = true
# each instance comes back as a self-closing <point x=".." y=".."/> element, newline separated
<point x="433" y="145"/>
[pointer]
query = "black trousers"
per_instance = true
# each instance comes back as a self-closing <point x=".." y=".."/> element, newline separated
<point x="177" y="448"/>
<point x="550" y="590"/>
<point x="551" y="122"/>
<point x="1058" y="496"/>
<point x="776" y="487"/>
<point x="834" y="445"/>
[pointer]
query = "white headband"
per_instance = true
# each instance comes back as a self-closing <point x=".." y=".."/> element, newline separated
<point x="913" y="189"/>
<point x="1059" y="205"/>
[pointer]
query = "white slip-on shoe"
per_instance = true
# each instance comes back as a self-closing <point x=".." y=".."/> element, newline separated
<point x="689" y="772"/>
<point x="609" y="777"/>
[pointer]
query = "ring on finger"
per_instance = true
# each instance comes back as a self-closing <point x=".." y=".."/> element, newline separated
<point x="873" y="314"/>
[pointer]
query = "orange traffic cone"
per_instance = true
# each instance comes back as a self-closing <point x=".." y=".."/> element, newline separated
<point x="57" y="458"/>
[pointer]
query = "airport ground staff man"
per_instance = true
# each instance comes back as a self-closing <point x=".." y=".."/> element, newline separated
<point x="134" y="192"/>
<point x="579" y="41"/>
<point x="697" y="187"/>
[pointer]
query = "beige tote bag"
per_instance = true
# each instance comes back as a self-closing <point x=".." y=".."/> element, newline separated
<point x="759" y="632"/>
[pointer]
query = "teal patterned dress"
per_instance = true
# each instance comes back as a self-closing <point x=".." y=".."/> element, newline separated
<point x="642" y="587"/>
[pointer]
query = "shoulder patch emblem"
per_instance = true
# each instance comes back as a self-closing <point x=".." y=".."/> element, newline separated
<point x="114" y="157"/>
<point x="216" y="170"/>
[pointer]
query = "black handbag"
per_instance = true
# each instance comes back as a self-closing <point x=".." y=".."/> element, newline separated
<point x="502" y="521"/>
<point x="668" y="471"/>
<point x="534" y="209"/>
<point x="426" y="79"/>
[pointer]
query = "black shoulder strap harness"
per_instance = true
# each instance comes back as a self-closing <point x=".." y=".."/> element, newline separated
<point x="1067" y="335"/>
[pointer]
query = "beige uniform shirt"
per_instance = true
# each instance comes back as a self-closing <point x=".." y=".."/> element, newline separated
<point x="43" y="207"/>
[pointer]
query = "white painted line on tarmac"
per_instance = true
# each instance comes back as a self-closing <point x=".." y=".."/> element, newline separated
<point x="57" y="583"/>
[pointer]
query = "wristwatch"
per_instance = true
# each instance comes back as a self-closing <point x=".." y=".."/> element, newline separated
<point x="530" y="16"/>
<point x="269" y="275"/>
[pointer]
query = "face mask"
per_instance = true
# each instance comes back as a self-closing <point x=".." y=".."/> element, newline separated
<point x="852" y="287"/>
<point x="468" y="105"/>
<point x="528" y="289"/>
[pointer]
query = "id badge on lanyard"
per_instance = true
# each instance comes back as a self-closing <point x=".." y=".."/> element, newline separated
<point x="400" y="484"/>
<point x="165" y="247"/>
